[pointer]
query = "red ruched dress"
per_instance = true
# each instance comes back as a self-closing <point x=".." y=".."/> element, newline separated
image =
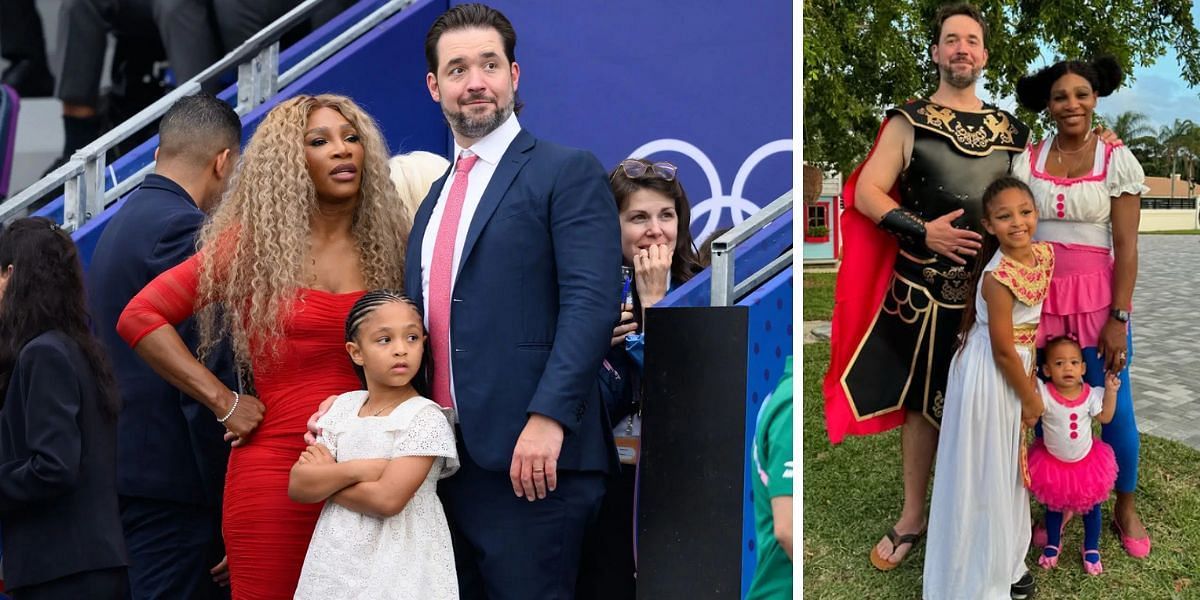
<point x="266" y="533"/>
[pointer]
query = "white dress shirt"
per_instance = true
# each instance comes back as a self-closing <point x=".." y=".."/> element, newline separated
<point x="490" y="149"/>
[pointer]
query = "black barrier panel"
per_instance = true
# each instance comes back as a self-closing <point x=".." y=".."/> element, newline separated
<point x="693" y="452"/>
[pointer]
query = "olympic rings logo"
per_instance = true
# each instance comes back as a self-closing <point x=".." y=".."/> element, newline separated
<point x="715" y="205"/>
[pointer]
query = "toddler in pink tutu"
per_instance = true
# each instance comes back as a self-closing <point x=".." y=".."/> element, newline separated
<point x="1069" y="470"/>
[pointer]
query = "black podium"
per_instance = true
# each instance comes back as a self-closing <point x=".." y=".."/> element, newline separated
<point x="691" y="494"/>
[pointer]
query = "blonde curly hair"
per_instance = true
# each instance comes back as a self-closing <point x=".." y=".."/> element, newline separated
<point x="255" y="249"/>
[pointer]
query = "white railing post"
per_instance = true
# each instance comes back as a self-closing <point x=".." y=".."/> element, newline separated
<point x="84" y="192"/>
<point x="258" y="79"/>
<point x="73" y="203"/>
<point x="724" y="290"/>
<point x="722" y="273"/>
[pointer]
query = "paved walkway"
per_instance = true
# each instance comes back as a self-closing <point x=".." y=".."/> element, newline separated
<point x="1166" y="338"/>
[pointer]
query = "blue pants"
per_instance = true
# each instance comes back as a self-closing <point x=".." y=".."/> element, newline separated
<point x="508" y="548"/>
<point x="106" y="584"/>
<point x="171" y="548"/>
<point x="1121" y="433"/>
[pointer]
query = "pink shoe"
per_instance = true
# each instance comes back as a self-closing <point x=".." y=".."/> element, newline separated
<point x="1048" y="562"/>
<point x="1135" y="547"/>
<point x="1092" y="568"/>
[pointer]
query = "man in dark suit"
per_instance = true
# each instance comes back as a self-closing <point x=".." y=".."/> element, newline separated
<point x="171" y="458"/>
<point x="515" y="255"/>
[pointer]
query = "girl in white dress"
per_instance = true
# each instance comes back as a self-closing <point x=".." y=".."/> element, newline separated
<point x="382" y="533"/>
<point x="979" y="518"/>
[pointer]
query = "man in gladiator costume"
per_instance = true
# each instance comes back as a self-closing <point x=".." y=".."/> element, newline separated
<point x="911" y="234"/>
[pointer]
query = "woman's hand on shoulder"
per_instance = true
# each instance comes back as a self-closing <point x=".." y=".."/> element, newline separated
<point x="1108" y="136"/>
<point x="312" y="431"/>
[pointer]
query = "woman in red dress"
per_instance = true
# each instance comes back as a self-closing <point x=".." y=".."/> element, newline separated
<point x="311" y="222"/>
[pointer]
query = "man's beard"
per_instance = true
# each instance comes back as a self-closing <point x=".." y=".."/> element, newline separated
<point x="960" y="80"/>
<point x="476" y="128"/>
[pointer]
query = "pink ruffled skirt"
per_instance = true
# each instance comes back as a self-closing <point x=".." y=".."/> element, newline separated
<point x="1080" y="294"/>
<point x="1072" y="486"/>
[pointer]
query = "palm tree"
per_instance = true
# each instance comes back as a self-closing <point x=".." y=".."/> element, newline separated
<point x="1135" y="130"/>
<point x="1131" y="126"/>
<point x="1178" y="140"/>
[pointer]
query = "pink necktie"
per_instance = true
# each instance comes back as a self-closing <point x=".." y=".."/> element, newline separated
<point x="440" y="269"/>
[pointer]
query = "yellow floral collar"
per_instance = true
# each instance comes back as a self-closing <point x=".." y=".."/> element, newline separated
<point x="1029" y="284"/>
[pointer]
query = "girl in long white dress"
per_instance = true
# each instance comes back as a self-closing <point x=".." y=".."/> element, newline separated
<point x="979" y="523"/>
<point x="382" y="533"/>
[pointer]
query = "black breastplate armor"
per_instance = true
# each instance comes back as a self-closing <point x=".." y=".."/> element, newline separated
<point x="955" y="156"/>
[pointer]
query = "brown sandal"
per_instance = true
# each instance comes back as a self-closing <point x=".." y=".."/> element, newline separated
<point x="897" y="540"/>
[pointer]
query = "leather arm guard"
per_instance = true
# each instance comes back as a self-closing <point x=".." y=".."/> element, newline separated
<point x="905" y="225"/>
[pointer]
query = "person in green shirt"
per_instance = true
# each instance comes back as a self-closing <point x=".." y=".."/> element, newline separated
<point x="772" y="455"/>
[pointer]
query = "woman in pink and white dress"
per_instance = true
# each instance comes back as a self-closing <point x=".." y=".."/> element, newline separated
<point x="1088" y="194"/>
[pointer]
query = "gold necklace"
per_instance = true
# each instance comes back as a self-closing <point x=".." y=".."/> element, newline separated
<point x="380" y="411"/>
<point x="1077" y="164"/>
<point x="1058" y="146"/>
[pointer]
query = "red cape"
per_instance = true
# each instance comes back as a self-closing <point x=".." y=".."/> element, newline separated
<point x="868" y="256"/>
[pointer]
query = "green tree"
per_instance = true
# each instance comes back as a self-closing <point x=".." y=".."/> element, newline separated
<point x="1134" y="129"/>
<point x="861" y="56"/>
<point x="1131" y="126"/>
<point x="1179" y="145"/>
<point x="1177" y="141"/>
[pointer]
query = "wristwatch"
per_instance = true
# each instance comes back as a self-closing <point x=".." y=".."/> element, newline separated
<point x="1120" y="315"/>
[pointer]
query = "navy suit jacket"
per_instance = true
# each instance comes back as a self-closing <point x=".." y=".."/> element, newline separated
<point x="534" y="303"/>
<point x="169" y="446"/>
<point x="58" y="506"/>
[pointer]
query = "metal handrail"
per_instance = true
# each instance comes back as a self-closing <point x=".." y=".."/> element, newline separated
<point x="724" y="292"/>
<point x="257" y="60"/>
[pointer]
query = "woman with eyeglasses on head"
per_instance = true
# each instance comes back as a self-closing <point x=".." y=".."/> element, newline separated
<point x="659" y="255"/>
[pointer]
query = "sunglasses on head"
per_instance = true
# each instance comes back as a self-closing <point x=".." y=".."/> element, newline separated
<point x="636" y="169"/>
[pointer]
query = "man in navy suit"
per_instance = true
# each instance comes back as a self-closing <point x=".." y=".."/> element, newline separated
<point x="515" y="255"/>
<point x="170" y="453"/>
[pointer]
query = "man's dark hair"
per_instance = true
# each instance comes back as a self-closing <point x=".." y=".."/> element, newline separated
<point x="470" y="16"/>
<point x="965" y="9"/>
<point x="198" y="127"/>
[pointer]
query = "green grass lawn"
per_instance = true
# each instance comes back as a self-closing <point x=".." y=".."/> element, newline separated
<point x="852" y="495"/>
<point x="818" y="296"/>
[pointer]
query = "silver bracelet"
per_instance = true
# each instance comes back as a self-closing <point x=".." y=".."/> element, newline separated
<point x="231" y="409"/>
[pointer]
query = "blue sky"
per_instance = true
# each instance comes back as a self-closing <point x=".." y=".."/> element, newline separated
<point x="1156" y="91"/>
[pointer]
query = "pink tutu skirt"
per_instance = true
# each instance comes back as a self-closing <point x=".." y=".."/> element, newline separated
<point x="1072" y="486"/>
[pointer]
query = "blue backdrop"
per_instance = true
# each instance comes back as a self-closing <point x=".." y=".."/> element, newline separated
<point x="706" y="85"/>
